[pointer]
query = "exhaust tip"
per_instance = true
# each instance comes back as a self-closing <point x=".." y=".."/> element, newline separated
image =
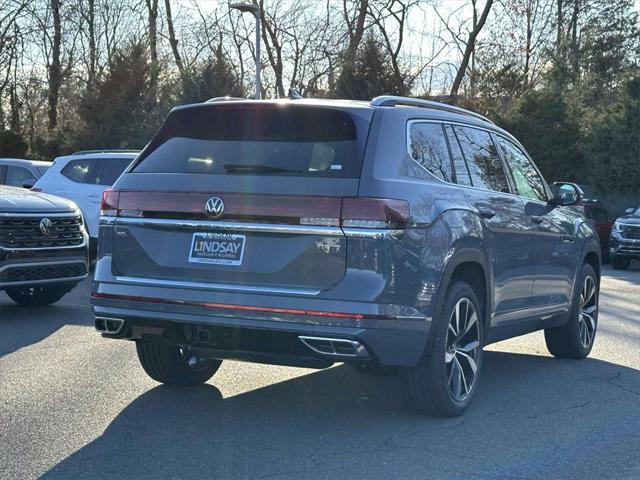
<point x="111" y="326"/>
<point x="335" y="347"/>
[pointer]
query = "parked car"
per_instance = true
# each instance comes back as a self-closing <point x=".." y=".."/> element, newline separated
<point x="43" y="246"/>
<point x="393" y="233"/>
<point x="597" y="216"/>
<point x="17" y="172"/>
<point x="624" y="244"/>
<point x="82" y="177"/>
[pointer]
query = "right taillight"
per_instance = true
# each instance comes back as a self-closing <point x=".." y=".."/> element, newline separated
<point x="374" y="213"/>
<point x="109" y="205"/>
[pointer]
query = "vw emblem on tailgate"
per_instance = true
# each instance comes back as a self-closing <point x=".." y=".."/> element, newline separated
<point x="45" y="226"/>
<point x="214" y="207"/>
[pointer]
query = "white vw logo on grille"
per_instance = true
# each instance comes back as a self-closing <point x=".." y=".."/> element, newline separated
<point x="214" y="207"/>
<point x="45" y="226"/>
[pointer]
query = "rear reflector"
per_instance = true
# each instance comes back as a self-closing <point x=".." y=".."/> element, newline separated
<point x="225" y="306"/>
<point x="279" y="209"/>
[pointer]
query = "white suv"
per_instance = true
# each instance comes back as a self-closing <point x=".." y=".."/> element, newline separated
<point x="82" y="177"/>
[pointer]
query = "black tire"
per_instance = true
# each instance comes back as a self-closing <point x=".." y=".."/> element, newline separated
<point x="36" y="296"/>
<point x="619" y="263"/>
<point x="168" y="364"/>
<point x="568" y="341"/>
<point x="428" y="385"/>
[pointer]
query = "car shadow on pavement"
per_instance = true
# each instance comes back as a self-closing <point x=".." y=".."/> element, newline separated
<point x="534" y="416"/>
<point x="22" y="326"/>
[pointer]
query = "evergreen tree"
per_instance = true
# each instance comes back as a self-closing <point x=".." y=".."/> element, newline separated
<point x="122" y="110"/>
<point x="542" y="121"/>
<point x="214" y="78"/>
<point x="370" y="75"/>
<point x="613" y="147"/>
<point x="12" y="144"/>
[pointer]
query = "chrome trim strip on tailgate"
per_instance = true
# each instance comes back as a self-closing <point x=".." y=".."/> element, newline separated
<point x="214" y="286"/>
<point x="232" y="226"/>
<point x="375" y="233"/>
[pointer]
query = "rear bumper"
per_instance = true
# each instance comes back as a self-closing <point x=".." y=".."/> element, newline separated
<point x="267" y="337"/>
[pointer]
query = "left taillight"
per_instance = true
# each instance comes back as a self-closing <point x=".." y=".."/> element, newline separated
<point x="110" y="200"/>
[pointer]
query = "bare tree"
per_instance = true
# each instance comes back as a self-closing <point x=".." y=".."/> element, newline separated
<point x="172" y="38"/>
<point x="468" y="50"/>
<point x="55" y="68"/>
<point x="152" y="15"/>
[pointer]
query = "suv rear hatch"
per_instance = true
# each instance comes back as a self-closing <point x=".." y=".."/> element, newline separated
<point x="241" y="193"/>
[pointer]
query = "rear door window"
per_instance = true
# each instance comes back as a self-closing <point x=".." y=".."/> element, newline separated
<point x="82" y="171"/>
<point x="485" y="166"/>
<point x="460" y="165"/>
<point x="428" y="147"/>
<point x="258" y="140"/>
<point x="113" y="168"/>
<point x="16" y="176"/>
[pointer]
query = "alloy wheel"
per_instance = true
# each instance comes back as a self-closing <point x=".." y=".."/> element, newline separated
<point x="588" y="312"/>
<point x="462" y="349"/>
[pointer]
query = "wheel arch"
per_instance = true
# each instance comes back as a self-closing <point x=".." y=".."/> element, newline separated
<point x="471" y="265"/>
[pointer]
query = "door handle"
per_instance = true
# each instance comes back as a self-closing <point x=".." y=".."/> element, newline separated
<point x="486" y="212"/>
<point x="537" y="219"/>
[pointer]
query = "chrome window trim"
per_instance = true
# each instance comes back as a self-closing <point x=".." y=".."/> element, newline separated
<point x="214" y="286"/>
<point x="408" y="133"/>
<point x="490" y="131"/>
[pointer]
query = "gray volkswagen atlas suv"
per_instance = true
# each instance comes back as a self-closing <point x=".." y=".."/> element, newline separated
<point x="393" y="233"/>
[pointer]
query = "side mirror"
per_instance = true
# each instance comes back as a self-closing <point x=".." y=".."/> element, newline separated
<point x="629" y="210"/>
<point x="30" y="182"/>
<point x="565" y="194"/>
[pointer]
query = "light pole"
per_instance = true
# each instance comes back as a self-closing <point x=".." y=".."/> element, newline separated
<point x="255" y="9"/>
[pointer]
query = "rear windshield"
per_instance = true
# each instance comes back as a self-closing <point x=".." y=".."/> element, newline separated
<point x="258" y="140"/>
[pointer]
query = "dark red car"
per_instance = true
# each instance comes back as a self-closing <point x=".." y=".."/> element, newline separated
<point x="597" y="216"/>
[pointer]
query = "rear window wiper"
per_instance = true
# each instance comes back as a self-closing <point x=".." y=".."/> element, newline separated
<point x="261" y="169"/>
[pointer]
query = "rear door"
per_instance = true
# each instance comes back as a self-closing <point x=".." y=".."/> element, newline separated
<point x="241" y="194"/>
<point x="508" y="237"/>
<point x="552" y="231"/>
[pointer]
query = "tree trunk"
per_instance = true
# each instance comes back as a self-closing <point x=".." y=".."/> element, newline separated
<point x="355" y="36"/>
<point x="172" y="39"/>
<point x="470" y="47"/>
<point x="55" y="70"/>
<point x="559" y="36"/>
<point x="152" y="9"/>
<point x="91" y="16"/>
<point x="269" y="34"/>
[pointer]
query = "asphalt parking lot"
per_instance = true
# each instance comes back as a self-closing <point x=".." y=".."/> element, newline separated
<point x="73" y="405"/>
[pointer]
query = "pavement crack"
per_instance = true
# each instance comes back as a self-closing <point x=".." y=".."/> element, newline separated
<point x="618" y="375"/>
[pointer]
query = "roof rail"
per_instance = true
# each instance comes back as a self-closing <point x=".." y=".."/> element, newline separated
<point x="224" y="99"/>
<point x="86" y="152"/>
<point x="392" y="101"/>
